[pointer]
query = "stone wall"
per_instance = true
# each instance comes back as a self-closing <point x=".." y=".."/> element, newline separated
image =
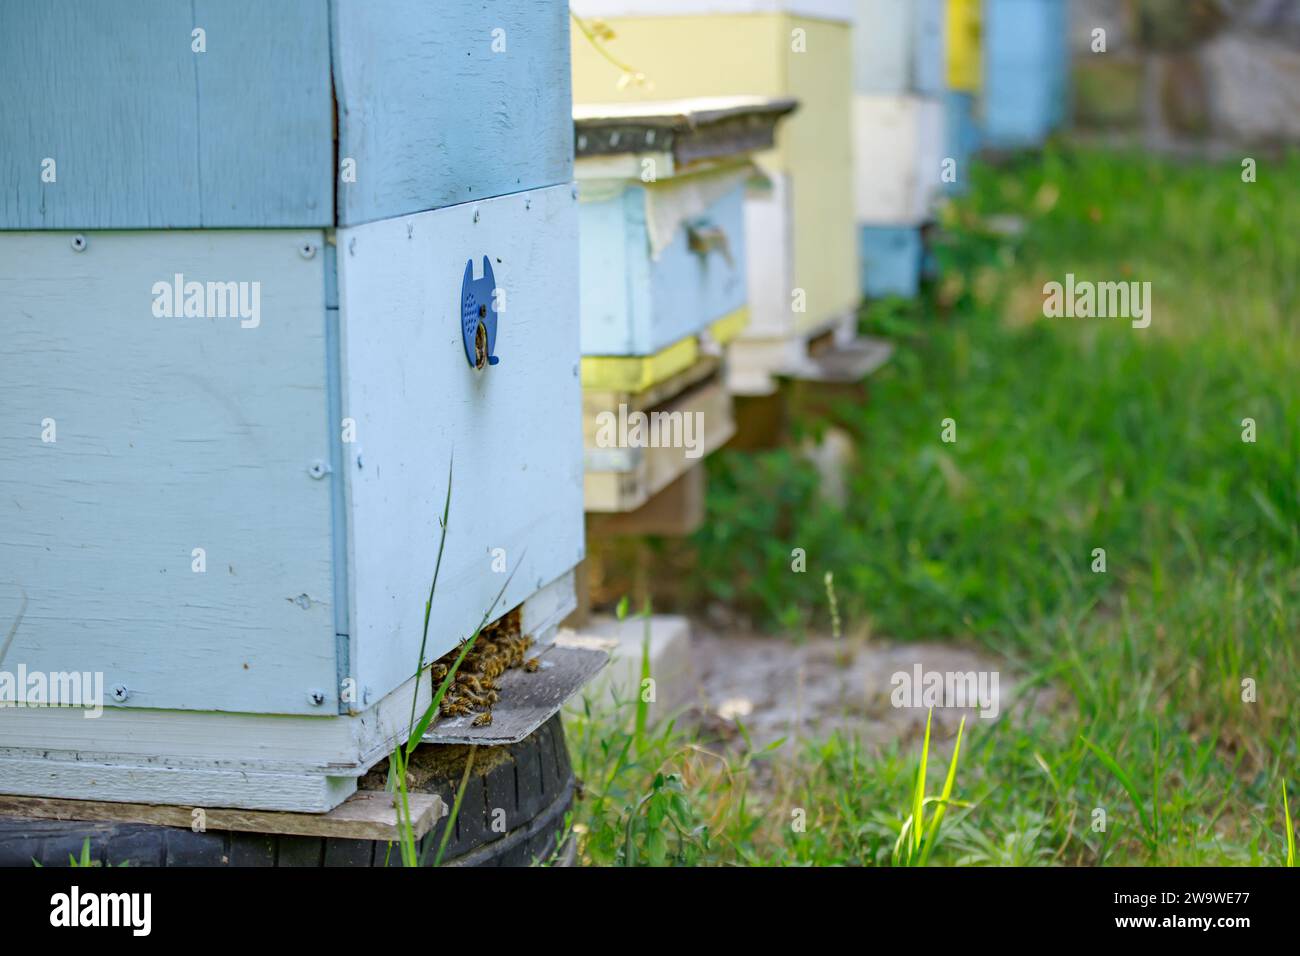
<point x="1194" y="73"/>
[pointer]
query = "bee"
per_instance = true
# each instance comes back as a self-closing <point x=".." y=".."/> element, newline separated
<point x="483" y="720"/>
<point x="469" y="681"/>
<point x="532" y="664"/>
<point x="457" y="708"/>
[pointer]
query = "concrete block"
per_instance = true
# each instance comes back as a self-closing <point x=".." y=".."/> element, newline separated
<point x="667" y="640"/>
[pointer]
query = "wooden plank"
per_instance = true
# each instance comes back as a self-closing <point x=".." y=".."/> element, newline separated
<point x="676" y="511"/>
<point x="652" y="469"/>
<point x="841" y="11"/>
<point x="693" y="130"/>
<point x="171" y="435"/>
<point x="594" y="401"/>
<point x="528" y="700"/>
<point x="366" y="815"/>
<point x="640" y="383"/>
<point x="434" y="115"/>
<point x="146" y="133"/>
<point x="636" y="373"/>
<point x="152" y="783"/>
<point x="267" y="140"/>
<point x="516" y="482"/>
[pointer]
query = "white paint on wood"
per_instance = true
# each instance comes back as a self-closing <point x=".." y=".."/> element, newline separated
<point x="769" y="247"/>
<point x="898" y="150"/>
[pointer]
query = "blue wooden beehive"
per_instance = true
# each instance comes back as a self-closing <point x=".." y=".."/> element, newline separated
<point x="1026" y="59"/>
<point x="256" y="263"/>
<point x="899" y="137"/>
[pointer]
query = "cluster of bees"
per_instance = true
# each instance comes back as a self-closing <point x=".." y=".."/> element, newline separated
<point x="474" y="689"/>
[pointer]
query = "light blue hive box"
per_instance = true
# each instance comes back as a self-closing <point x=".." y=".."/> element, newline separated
<point x="234" y="518"/>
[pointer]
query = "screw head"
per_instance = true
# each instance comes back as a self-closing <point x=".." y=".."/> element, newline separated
<point x="316" y="697"/>
<point x="79" y="243"/>
<point x="318" y="470"/>
<point x="120" y="693"/>
<point x="307" y="250"/>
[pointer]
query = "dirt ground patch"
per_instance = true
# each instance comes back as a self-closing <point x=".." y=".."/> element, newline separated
<point x="809" y="690"/>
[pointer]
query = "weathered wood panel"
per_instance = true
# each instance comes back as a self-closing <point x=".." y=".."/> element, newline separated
<point x="514" y="429"/>
<point x="146" y="133"/>
<point x="433" y="115"/>
<point x="366" y="815"/>
<point x="128" y="441"/>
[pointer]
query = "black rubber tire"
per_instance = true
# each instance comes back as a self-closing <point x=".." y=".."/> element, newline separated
<point x="531" y="781"/>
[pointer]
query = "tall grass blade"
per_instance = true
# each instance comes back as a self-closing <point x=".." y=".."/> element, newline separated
<point x="1126" y="782"/>
<point x="1290" y="828"/>
<point x="918" y="795"/>
<point x="932" y="835"/>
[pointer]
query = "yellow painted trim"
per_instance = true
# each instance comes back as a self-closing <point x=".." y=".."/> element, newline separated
<point x="634" y="373"/>
<point x="962" y="32"/>
<point x="729" y="326"/>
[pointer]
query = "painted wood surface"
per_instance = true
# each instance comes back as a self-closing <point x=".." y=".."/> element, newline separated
<point x="252" y="761"/>
<point x="636" y="304"/>
<point x="1026" y="59"/>
<point x="898" y="46"/>
<point x="963" y="45"/>
<point x="685" y="56"/>
<point x="629" y="477"/>
<point x="83" y="780"/>
<point x="170" y="435"/>
<point x="841" y="11"/>
<point x="436" y="105"/>
<point x="769" y="239"/>
<point x="514" y="429"/>
<point x="891" y="260"/>
<point x="366" y="815"/>
<point x="145" y="133"/>
<point x="434" y="116"/>
<point x="961" y="137"/>
<point x="899" y="152"/>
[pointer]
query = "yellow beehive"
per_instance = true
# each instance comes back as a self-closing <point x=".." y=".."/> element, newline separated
<point x="776" y="48"/>
<point x="963" y="42"/>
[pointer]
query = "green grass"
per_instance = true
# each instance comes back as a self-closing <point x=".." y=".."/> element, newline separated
<point x="1072" y="435"/>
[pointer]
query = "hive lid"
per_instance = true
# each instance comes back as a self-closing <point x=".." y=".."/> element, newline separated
<point x="690" y="129"/>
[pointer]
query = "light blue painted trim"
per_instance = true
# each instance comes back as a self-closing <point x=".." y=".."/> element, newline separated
<point x="338" y="492"/>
